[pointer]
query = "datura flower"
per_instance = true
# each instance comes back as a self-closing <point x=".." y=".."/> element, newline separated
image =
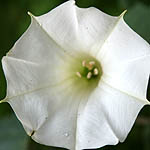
<point x="77" y="78"/>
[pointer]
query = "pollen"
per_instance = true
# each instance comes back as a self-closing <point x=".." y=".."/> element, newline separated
<point x="83" y="63"/>
<point x="78" y="74"/>
<point x="89" y="69"/>
<point x="92" y="63"/>
<point x="95" y="72"/>
<point x="89" y="75"/>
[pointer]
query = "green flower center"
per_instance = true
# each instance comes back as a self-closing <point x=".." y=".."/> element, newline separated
<point x="89" y="70"/>
<point x="86" y="72"/>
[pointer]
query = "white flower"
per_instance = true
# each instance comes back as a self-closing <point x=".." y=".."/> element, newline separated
<point x="77" y="78"/>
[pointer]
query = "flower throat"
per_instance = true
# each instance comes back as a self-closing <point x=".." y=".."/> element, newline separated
<point x="88" y="70"/>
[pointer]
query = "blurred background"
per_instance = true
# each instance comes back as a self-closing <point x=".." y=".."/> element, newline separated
<point x="14" y="21"/>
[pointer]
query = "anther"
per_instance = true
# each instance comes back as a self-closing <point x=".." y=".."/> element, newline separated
<point x="83" y="63"/>
<point x="95" y="72"/>
<point x="78" y="74"/>
<point x="89" y="75"/>
<point x="92" y="63"/>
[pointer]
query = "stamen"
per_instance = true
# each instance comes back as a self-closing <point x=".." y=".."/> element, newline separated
<point x="89" y="75"/>
<point x="78" y="74"/>
<point x="92" y="63"/>
<point x="89" y="69"/>
<point x="95" y="71"/>
<point x="83" y="63"/>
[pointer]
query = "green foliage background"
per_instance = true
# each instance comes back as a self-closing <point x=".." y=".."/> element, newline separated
<point x="14" y="21"/>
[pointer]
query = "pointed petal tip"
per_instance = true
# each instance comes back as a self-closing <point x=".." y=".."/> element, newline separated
<point x="2" y="101"/>
<point x="148" y="102"/>
<point x="32" y="17"/>
<point x="123" y="13"/>
<point x="72" y="1"/>
<point x="30" y="14"/>
<point x="5" y="58"/>
<point x="32" y="133"/>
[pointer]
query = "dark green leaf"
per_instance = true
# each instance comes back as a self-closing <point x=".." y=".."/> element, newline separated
<point x="12" y="134"/>
<point x="138" y="17"/>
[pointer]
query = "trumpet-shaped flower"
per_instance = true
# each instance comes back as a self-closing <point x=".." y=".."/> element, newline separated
<point x="77" y="78"/>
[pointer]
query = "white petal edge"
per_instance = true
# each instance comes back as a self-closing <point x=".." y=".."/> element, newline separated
<point x="77" y="28"/>
<point x="61" y="25"/>
<point x="122" y="45"/>
<point x="118" y="57"/>
<point x="107" y="118"/>
<point x="36" y="46"/>
<point x="55" y="122"/>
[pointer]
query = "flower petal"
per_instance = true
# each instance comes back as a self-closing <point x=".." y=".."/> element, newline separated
<point x="107" y="117"/>
<point x="131" y="77"/>
<point x="77" y="28"/>
<point x="125" y="61"/>
<point x="30" y="109"/>
<point x="61" y="24"/>
<point x="35" y="45"/>
<point x="94" y="27"/>
<point x="122" y="45"/>
<point x="51" y="113"/>
<point x="25" y="77"/>
<point x="44" y="99"/>
<point x="51" y="104"/>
